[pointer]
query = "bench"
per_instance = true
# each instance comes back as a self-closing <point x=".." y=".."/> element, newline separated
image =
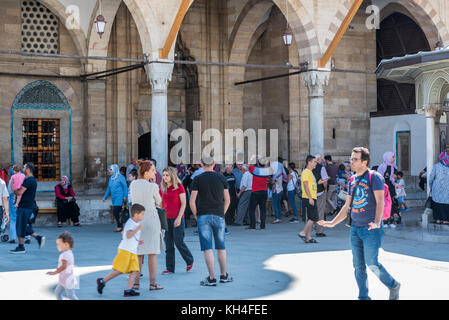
<point x="52" y="210"/>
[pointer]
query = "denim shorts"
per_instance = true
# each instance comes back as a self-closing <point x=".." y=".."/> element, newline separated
<point x="401" y="200"/>
<point x="22" y="223"/>
<point x="211" y="226"/>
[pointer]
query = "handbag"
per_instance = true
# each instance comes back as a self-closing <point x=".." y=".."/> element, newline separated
<point x="163" y="218"/>
<point x="429" y="202"/>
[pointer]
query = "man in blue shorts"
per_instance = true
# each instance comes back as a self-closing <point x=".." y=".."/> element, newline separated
<point x="211" y="189"/>
<point x="25" y="210"/>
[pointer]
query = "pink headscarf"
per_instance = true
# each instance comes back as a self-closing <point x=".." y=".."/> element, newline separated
<point x="66" y="182"/>
<point x="444" y="159"/>
<point x="388" y="161"/>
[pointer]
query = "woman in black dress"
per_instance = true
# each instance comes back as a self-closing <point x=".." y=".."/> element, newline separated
<point x="66" y="203"/>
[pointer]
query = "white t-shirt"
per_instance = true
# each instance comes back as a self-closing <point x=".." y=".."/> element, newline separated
<point x="291" y="184"/>
<point x="131" y="244"/>
<point x="400" y="188"/>
<point x="67" y="278"/>
<point x="3" y="191"/>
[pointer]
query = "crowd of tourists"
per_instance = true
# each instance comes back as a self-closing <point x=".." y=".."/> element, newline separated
<point x="151" y="210"/>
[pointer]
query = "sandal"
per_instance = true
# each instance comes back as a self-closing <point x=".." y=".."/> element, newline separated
<point x="302" y="237"/>
<point x="118" y="229"/>
<point x="155" y="287"/>
<point x="136" y="286"/>
<point x="77" y="225"/>
<point x="59" y="224"/>
<point x="311" y="241"/>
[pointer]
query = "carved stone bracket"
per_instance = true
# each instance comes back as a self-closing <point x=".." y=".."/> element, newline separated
<point x="159" y="74"/>
<point x="315" y="81"/>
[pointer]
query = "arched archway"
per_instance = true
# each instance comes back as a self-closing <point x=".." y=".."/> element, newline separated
<point x="398" y="36"/>
<point x="41" y="131"/>
<point x="247" y="30"/>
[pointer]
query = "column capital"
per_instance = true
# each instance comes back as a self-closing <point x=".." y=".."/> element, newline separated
<point x="430" y="110"/>
<point x="315" y="81"/>
<point x="159" y="74"/>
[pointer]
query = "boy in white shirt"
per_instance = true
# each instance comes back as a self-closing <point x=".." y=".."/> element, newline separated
<point x="126" y="260"/>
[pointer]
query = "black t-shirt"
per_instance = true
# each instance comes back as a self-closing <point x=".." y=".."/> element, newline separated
<point x="210" y="187"/>
<point x="27" y="201"/>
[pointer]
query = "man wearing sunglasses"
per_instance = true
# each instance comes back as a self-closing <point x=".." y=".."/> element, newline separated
<point x="365" y="202"/>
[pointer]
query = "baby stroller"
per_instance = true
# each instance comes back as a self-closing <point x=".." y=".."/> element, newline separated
<point x="3" y="236"/>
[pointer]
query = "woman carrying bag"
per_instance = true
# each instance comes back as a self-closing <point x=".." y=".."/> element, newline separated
<point x="439" y="187"/>
<point x="66" y="203"/>
<point x="174" y="202"/>
<point x="146" y="194"/>
<point x="118" y="190"/>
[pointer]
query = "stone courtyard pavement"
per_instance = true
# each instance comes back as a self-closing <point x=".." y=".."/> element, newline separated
<point x="271" y="264"/>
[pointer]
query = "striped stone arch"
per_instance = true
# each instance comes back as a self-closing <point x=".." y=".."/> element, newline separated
<point x="77" y="35"/>
<point x="143" y="17"/>
<point x="421" y="11"/>
<point x="342" y="10"/>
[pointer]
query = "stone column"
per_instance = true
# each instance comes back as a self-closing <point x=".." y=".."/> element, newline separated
<point x="315" y="81"/>
<point x="430" y="112"/>
<point x="95" y="126"/>
<point x="159" y="75"/>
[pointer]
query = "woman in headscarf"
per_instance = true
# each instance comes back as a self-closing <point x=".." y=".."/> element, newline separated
<point x="66" y="203"/>
<point x="439" y="187"/>
<point x="118" y="190"/>
<point x="388" y="168"/>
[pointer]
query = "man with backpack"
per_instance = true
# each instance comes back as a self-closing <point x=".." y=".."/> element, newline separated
<point x="366" y="200"/>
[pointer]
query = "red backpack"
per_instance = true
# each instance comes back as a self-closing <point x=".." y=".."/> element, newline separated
<point x="387" y="196"/>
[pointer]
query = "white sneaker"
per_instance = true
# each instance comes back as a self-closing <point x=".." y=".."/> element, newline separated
<point x="392" y="226"/>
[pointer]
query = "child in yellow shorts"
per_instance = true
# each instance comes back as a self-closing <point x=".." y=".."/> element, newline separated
<point x="126" y="260"/>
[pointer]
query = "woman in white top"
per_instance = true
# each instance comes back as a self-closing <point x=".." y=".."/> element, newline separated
<point x="292" y="179"/>
<point x="146" y="194"/>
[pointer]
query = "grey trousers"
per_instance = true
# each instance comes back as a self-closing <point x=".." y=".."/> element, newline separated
<point x="243" y="207"/>
<point x="331" y="203"/>
<point x="321" y="206"/>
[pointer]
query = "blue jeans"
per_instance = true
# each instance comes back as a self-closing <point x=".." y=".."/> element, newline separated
<point x="211" y="226"/>
<point x="175" y="237"/>
<point x="365" y="250"/>
<point x="12" y="219"/>
<point x="292" y="200"/>
<point x="277" y="198"/>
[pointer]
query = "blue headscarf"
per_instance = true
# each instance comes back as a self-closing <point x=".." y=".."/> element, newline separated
<point x="115" y="171"/>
